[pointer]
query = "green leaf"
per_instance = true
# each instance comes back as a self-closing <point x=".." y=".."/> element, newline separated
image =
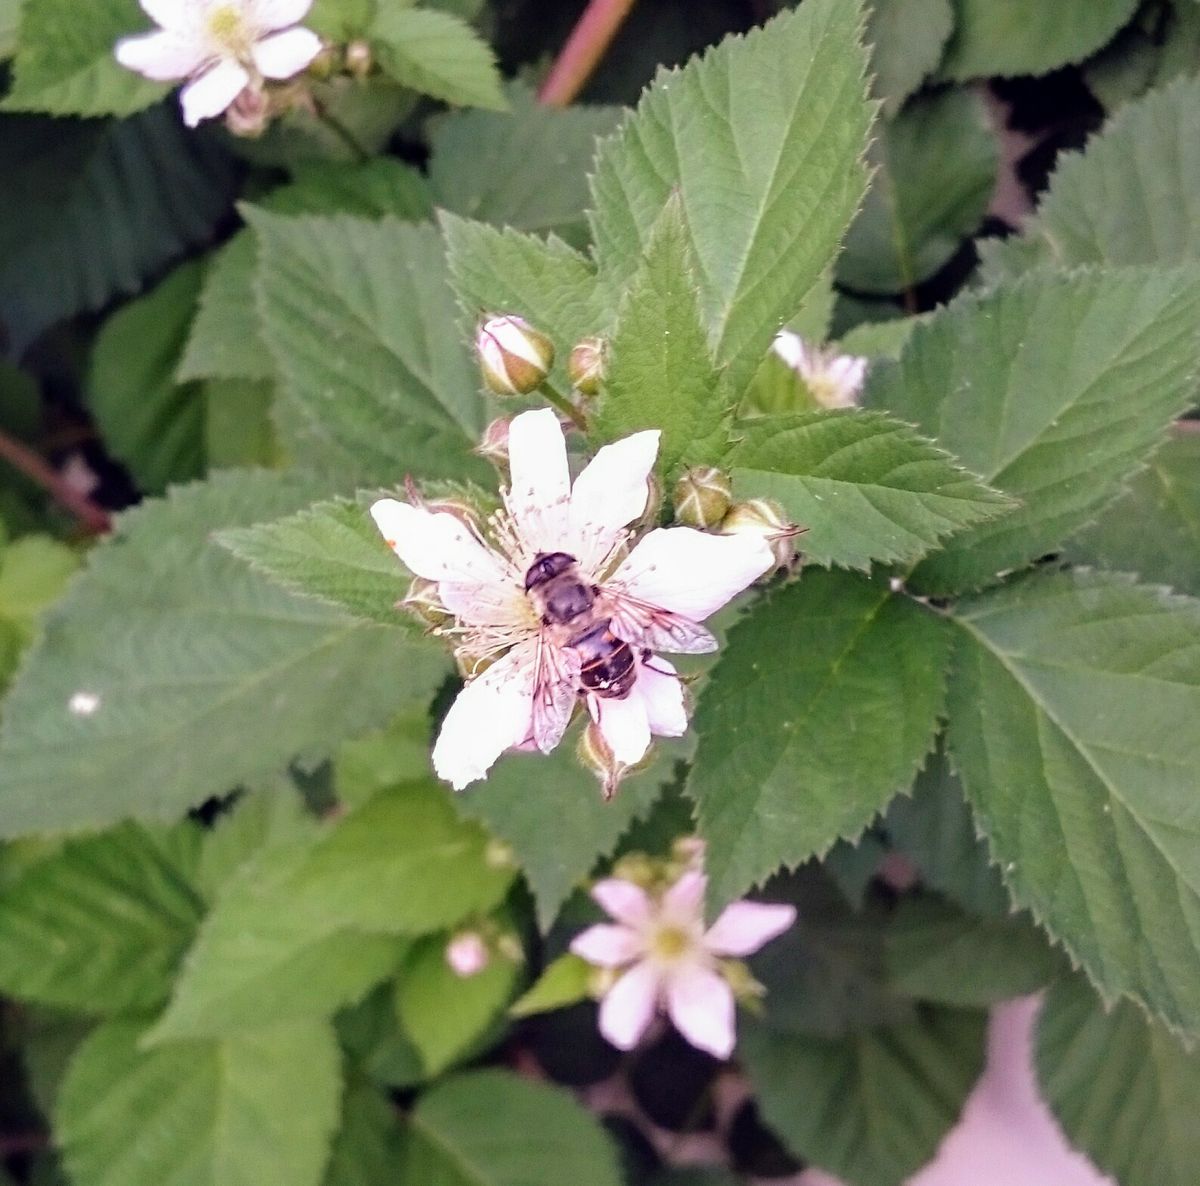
<point x="491" y="1128"/>
<point x="820" y="709"/>
<point x="151" y="423"/>
<point x="1026" y="36"/>
<point x="10" y="19"/>
<point x="399" y="390"/>
<point x="659" y="374"/>
<point x="939" y="953"/>
<point x="872" y="1106"/>
<point x="1122" y="1088"/>
<point x="763" y="138"/>
<point x="935" y="170"/>
<point x="443" y="1013"/>
<point x="223" y="676"/>
<point x="1155" y="48"/>
<point x="396" y="754"/>
<point x="367" y="1147"/>
<point x="257" y="1108"/>
<point x="438" y="54"/>
<point x="89" y="210"/>
<point x="298" y="930"/>
<point x="1133" y="197"/>
<point x="371" y="1035"/>
<point x="65" y="63"/>
<point x="1072" y="723"/>
<point x="340" y="20"/>
<point x="906" y="39"/>
<point x="237" y="424"/>
<point x="485" y="165"/>
<point x="331" y="551"/>
<point x="563" y="982"/>
<point x="226" y="340"/>
<point x="100" y="926"/>
<point x="866" y="487"/>
<point x="880" y="339"/>
<point x="33" y="572"/>
<point x="1012" y="382"/>
<point x="1154" y="528"/>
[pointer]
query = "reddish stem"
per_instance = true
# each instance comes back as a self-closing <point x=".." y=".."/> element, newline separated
<point x="35" y="467"/>
<point x="585" y="47"/>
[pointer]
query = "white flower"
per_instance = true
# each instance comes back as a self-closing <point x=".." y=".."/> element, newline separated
<point x="222" y="46"/>
<point x="653" y="597"/>
<point x="467" y="954"/>
<point x="668" y="960"/>
<point x="835" y="380"/>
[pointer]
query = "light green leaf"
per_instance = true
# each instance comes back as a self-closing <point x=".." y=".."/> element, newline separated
<point x="396" y="754"/>
<point x="222" y="676"/>
<point x="937" y="952"/>
<point x="1154" y="528"/>
<point x="491" y="1128"/>
<point x="1011" y="382"/>
<point x="820" y="708"/>
<point x="376" y="1045"/>
<point x="866" y="487"/>
<point x="151" y="423"/>
<point x="443" y="1013"/>
<point x="88" y="210"/>
<point x="880" y="339"/>
<point x="366" y="1149"/>
<point x="763" y="138"/>
<point x="298" y="931"/>
<point x="237" y="424"/>
<point x="244" y="1111"/>
<point x="1156" y="47"/>
<point x="1121" y="1086"/>
<point x="399" y="390"/>
<point x="438" y="54"/>
<point x="65" y="63"/>
<point x="1026" y="36"/>
<point x="340" y="20"/>
<point x="906" y="39"/>
<point x="525" y="168"/>
<point x="872" y="1106"/>
<point x="100" y="926"/>
<point x="563" y="982"/>
<point x="1132" y="197"/>
<point x="331" y="551"/>
<point x="659" y="374"/>
<point x="10" y="19"/>
<point x="1072" y="723"/>
<point x="33" y="572"/>
<point x="935" y="170"/>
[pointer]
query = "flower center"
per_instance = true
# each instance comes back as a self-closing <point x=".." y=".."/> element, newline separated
<point x="669" y="944"/>
<point x="227" y="27"/>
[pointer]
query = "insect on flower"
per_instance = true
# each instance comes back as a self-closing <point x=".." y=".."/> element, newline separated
<point x="552" y="605"/>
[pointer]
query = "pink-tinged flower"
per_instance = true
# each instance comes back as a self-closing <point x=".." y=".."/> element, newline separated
<point x="514" y="358"/>
<point x="667" y="960"/>
<point x="467" y="954"/>
<point x="221" y="46"/>
<point x="552" y="605"/>
<point x="834" y="380"/>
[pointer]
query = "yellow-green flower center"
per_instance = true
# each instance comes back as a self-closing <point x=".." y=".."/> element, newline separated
<point x="669" y="943"/>
<point x="227" y="27"/>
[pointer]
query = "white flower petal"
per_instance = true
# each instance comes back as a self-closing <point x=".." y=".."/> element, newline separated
<point x="436" y="545"/>
<point x="625" y="726"/>
<point x="743" y="927"/>
<point x="283" y="54"/>
<point x="607" y="945"/>
<point x="628" y="1007"/>
<point x="684" y="901"/>
<point x="494" y="712"/>
<point x="212" y="92"/>
<point x="700" y="1004"/>
<point x="623" y="901"/>
<point x="610" y="493"/>
<point x="485" y="604"/>
<point x="691" y="572"/>
<point x="790" y="347"/>
<point x="173" y="14"/>
<point x="541" y="482"/>
<point x="276" y="14"/>
<point x="661" y="691"/>
<point x="162" y="56"/>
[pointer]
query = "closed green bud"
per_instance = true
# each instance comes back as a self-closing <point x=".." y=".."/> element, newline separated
<point x="764" y="518"/>
<point x="702" y="497"/>
<point x="586" y="364"/>
<point x="513" y="357"/>
<point x="493" y="445"/>
<point x="423" y="601"/>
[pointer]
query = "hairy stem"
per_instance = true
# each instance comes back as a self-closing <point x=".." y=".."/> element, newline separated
<point x="563" y="405"/>
<point x="95" y="519"/>
<point x="585" y="47"/>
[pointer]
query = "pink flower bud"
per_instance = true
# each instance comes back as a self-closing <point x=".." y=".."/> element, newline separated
<point x="467" y="954"/>
<point x="359" y="59"/>
<point x="586" y="364"/>
<point x="249" y="114"/>
<point x="513" y="357"/>
<point x="493" y="445"/>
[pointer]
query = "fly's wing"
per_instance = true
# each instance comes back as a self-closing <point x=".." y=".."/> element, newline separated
<point x="644" y="625"/>
<point x="555" y="688"/>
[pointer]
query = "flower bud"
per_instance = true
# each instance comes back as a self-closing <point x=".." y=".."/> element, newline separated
<point x="249" y="114"/>
<point x="586" y="365"/>
<point x="359" y="60"/>
<point x="509" y="947"/>
<point x="513" y="356"/>
<point x="499" y="855"/>
<point x="493" y="445"/>
<point x="702" y="497"/>
<point x="423" y="601"/>
<point x="326" y="63"/>
<point x="596" y="754"/>
<point x="689" y="850"/>
<point x="600" y="981"/>
<point x="639" y="869"/>
<point x="763" y="518"/>
<point x="467" y="954"/>
<point x="746" y="990"/>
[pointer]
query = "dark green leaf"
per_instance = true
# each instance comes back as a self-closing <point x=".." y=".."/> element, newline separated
<point x="906" y="39"/>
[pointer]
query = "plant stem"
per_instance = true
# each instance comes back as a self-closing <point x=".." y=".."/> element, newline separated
<point x="584" y="48"/>
<point x="37" y="469"/>
<point x="342" y="132"/>
<point x="564" y="405"/>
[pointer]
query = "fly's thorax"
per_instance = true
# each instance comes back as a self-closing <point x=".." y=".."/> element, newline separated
<point x="557" y="592"/>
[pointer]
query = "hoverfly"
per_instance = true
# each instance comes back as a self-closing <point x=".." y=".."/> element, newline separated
<point x="591" y="639"/>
